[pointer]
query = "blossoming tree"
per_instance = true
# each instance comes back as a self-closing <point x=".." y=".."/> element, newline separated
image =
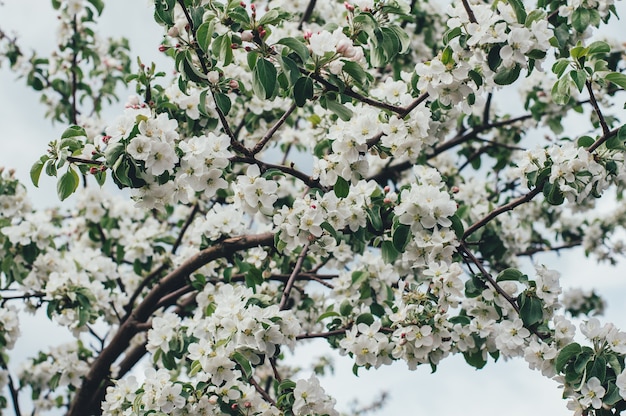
<point x="315" y="169"/>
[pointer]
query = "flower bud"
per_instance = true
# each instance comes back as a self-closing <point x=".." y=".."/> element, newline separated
<point x="247" y="36"/>
<point x="173" y="32"/>
<point x="213" y="399"/>
<point x="163" y="48"/>
<point x="213" y="77"/>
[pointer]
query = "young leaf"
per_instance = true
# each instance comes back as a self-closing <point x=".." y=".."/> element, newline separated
<point x="67" y="184"/>
<point x="223" y="102"/>
<point x="264" y="78"/>
<point x="297" y="46"/>
<point x="303" y="91"/>
<point x="35" y="171"/>
<point x="617" y="79"/>
<point x="341" y="188"/>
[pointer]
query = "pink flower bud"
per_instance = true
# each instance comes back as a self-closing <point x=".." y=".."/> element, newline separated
<point x="233" y="84"/>
<point x="163" y="48"/>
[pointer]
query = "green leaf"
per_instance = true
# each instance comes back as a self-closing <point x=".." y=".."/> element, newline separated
<point x="511" y="274"/>
<point x="341" y="188"/>
<point x="457" y="226"/>
<point x="74" y="131"/>
<point x="581" y="19"/>
<point x="264" y="79"/>
<point x="204" y="35"/>
<point x="565" y="355"/>
<point x="597" y="368"/>
<point x="244" y="364"/>
<point x="617" y="79"/>
<point x="355" y="71"/>
<point x="553" y="194"/>
<point x="580" y="77"/>
<point x="303" y="91"/>
<point x="98" y="4"/>
<point x="297" y="46"/>
<point x="585" y="141"/>
<point x="327" y="314"/>
<point x="520" y="11"/>
<point x="191" y="72"/>
<point x="475" y="359"/>
<point x="531" y="309"/>
<point x="223" y="102"/>
<point x="345" y="308"/>
<point x="365" y="318"/>
<point x="451" y="34"/>
<point x="599" y="47"/>
<point x="35" y="171"/>
<point x="401" y="237"/>
<point x="376" y="220"/>
<point x="389" y="252"/>
<point x="341" y="110"/>
<point x="560" y="66"/>
<point x="507" y="76"/>
<point x="67" y="184"/>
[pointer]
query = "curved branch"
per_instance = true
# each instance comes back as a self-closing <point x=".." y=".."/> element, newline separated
<point x="84" y="401"/>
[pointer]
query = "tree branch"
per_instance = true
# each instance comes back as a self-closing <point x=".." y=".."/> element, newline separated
<point x="596" y="109"/>
<point x="268" y="136"/>
<point x="488" y="277"/>
<point x="502" y="209"/>
<point x="292" y="277"/>
<point x="85" y="399"/>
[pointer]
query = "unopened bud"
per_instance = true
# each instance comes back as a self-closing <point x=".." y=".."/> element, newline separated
<point x="233" y="84"/>
<point x="163" y="48"/>
<point x="455" y="189"/>
<point x="348" y="6"/>
<point x="247" y="405"/>
<point x="93" y="170"/>
<point x="234" y="46"/>
<point x="173" y="32"/>
<point x="213" y="399"/>
<point x="247" y="36"/>
<point x="213" y="77"/>
<point x="386" y="189"/>
<point x="234" y="406"/>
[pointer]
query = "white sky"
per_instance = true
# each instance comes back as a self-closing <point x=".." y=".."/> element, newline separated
<point x="505" y="388"/>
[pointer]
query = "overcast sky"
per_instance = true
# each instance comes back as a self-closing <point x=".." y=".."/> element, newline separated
<point x="504" y="388"/>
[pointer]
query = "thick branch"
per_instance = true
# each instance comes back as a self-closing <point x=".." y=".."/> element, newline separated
<point x="84" y="401"/>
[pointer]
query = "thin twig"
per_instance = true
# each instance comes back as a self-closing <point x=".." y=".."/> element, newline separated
<point x="307" y="13"/>
<point x="502" y="209"/>
<point x="270" y="133"/>
<point x="186" y="225"/>
<point x="262" y="392"/>
<point x="596" y="108"/>
<point x="470" y="12"/>
<point x="11" y="384"/>
<point x="292" y="277"/>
